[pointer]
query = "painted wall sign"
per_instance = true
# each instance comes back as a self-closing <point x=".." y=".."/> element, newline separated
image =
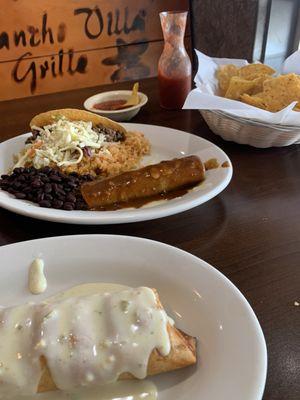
<point x="52" y="45"/>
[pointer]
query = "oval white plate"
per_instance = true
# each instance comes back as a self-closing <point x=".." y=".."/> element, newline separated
<point x="232" y="352"/>
<point x="166" y="143"/>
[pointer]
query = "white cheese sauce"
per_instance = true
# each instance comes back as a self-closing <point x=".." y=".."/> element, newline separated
<point x="123" y="390"/>
<point x="87" y="289"/>
<point x="37" y="282"/>
<point x="87" y="340"/>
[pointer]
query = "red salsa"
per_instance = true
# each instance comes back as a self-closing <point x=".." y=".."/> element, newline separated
<point x="109" y="105"/>
<point x="173" y="91"/>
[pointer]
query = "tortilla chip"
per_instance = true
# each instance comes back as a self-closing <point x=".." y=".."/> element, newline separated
<point x="253" y="71"/>
<point x="224" y="74"/>
<point x="259" y="83"/>
<point x="281" y="91"/>
<point x="254" y="84"/>
<point x="238" y="86"/>
<point x="256" y="101"/>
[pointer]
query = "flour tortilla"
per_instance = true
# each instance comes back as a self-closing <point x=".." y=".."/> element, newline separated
<point x="183" y="354"/>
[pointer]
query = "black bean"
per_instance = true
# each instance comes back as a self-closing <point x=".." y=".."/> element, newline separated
<point x="16" y="185"/>
<point x="42" y="176"/>
<point x="36" y="183"/>
<point x="68" y="206"/>
<point x="60" y="197"/>
<point x="55" y="178"/>
<point x="72" y="184"/>
<point x="18" y="170"/>
<point x="20" y="195"/>
<point x="45" y="203"/>
<point x="48" y="188"/>
<point x="48" y="197"/>
<point x="71" y="198"/>
<point x="61" y="173"/>
<point x="57" y="203"/>
<point x="46" y="170"/>
<point x="36" y="191"/>
<point x="40" y="197"/>
<point x="21" y="178"/>
<point x="61" y="192"/>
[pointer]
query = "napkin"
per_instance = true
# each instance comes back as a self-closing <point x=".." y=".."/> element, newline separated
<point x="204" y="96"/>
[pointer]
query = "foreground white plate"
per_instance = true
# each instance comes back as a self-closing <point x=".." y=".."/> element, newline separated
<point x="232" y="351"/>
<point x="166" y="143"/>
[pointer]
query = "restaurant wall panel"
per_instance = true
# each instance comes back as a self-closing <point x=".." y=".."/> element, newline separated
<point x="51" y="46"/>
<point x="226" y="28"/>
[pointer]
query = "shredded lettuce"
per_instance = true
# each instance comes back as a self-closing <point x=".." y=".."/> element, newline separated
<point x="61" y="143"/>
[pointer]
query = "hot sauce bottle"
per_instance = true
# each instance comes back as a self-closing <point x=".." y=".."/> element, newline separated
<point x="174" y="66"/>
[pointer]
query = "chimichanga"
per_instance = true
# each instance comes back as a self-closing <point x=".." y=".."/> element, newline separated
<point x="152" y="180"/>
<point x="182" y="354"/>
<point x="94" y="340"/>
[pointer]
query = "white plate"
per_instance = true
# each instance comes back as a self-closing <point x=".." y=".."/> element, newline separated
<point x="166" y="143"/>
<point x="232" y="351"/>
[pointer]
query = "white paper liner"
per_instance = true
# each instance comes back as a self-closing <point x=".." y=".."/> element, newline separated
<point x="204" y="96"/>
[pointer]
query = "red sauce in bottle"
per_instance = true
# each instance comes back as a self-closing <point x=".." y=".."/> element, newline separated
<point x="173" y="91"/>
<point x="174" y="65"/>
<point x="109" y="105"/>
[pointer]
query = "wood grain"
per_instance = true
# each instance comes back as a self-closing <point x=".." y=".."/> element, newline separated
<point x="105" y="21"/>
<point x="52" y="46"/>
<point x="250" y="232"/>
<point x="87" y="69"/>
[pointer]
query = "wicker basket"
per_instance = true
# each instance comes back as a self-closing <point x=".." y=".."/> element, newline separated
<point x="248" y="131"/>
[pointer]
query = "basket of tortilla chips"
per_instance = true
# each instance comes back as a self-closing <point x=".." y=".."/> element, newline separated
<point x="247" y="131"/>
<point x="247" y="103"/>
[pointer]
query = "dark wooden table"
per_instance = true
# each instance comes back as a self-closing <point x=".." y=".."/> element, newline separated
<point x="250" y="232"/>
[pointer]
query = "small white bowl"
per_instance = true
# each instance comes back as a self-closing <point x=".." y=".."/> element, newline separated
<point x="116" y="115"/>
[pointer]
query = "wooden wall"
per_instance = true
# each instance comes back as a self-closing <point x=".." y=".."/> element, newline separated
<point x="55" y="45"/>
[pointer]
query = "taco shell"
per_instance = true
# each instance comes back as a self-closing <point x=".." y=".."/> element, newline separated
<point x="72" y="114"/>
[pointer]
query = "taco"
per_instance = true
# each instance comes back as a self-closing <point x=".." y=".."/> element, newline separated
<point x="80" y="141"/>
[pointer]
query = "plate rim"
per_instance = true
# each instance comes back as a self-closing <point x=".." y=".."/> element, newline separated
<point x="261" y="341"/>
<point x="111" y="217"/>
